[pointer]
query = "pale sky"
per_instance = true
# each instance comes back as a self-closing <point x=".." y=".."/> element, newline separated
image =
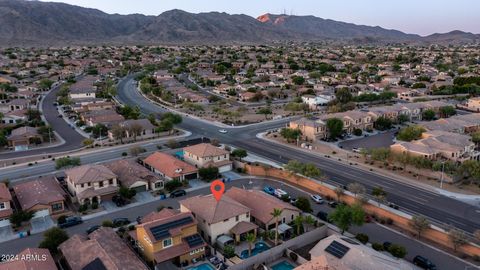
<point x="422" y="17"/>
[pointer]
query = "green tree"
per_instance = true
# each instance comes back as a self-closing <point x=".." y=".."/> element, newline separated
<point x="229" y="251"/>
<point x="447" y="111"/>
<point x="402" y="118"/>
<point x="458" y="238"/>
<point x="383" y="123"/>
<point x="397" y="251"/>
<point x="276" y="214"/>
<point x="251" y="238"/>
<point x="127" y="193"/>
<point x="303" y="204"/>
<point x="290" y="134"/>
<point x="99" y="130"/>
<point x="476" y="138"/>
<point x="298" y="222"/>
<point x="208" y="174"/>
<point x="240" y="153"/>
<point x="334" y="127"/>
<point x="380" y="154"/>
<point x="298" y="80"/>
<point x="428" y="115"/>
<point x="52" y="238"/>
<point x="265" y="111"/>
<point x="419" y="224"/>
<point x="45" y="84"/>
<point x="344" y="95"/>
<point x="118" y="133"/>
<point x="410" y="133"/>
<point x="345" y="216"/>
<point x="18" y="217"/>
<point x="469" y="172"/>
<point x="312" y="171"/>
<point x="309" y="220"/>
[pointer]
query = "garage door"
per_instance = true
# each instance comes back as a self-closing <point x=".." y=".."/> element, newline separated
<point x="140" y="188"/>
<point x="225" y="168"/>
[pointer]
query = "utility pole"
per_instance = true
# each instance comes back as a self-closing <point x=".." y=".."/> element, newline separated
<point x="441" y="177"/>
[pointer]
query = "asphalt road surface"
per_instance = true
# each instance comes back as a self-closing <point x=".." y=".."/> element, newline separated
<point x="438" y="208"/>
<point x="73" y="140"/>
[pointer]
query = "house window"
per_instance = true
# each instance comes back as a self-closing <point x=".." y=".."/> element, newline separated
<point x="82" y="185"/>
<point x="110" y="182"/>
<point x="292" y="217"/>
<point x="248" y="215"/>
<point x="236" y="218"/>
<point x="89" y="184"/>
<point x="57" y="207"/>
<point x="100" y="184"/>
<point x="2" y="205"/>
<point x="167" y="243"/>
<point x="158" y="185"/>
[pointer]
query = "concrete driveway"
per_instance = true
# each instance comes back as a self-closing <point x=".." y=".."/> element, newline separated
<point x="109" y="205"/>
<point x="373" y="141"/>
<point x="41" y="224"/>
<point x="6" y="231"/>
<point x="145" y="196"/>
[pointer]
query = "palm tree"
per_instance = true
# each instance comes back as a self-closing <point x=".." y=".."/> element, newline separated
<point x="276" y="214"/>
<point x="309" y="220"/>
<point x="298" y="221"/>
<point x="251" y="238"/>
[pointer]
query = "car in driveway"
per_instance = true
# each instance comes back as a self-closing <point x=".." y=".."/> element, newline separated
<point x="316" y="198"/>
<point x="118" y="222"/>
<point x="70" y="221"/>
<point x="269" y="190"/>
<point x="424" y="263"/>
<point x="178" y="193"/>
<point x="223" y="131"/>
<point x="93" y="228"/>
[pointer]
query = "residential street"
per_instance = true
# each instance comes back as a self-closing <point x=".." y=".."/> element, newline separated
<point x="376" y="232"/>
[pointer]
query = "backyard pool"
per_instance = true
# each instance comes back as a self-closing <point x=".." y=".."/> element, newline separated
<point x="283" y="266"/>
<point x="259" y="248"/>
<point x="203" y="266"/>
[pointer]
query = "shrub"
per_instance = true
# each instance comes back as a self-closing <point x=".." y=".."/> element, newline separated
<point x="363" y="238"/>
<point x="131" y="227"/>
<point x="94" y="205"/>
<point x="172" y="185"/>
<point x="107" y="223"/>
<point x="397" y="251"/>
<point x="124" y="154"/>
<point x="229" y="251"/>
<point x="377" y="246"/>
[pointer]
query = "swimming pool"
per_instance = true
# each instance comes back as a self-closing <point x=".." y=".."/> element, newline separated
<point x="283" y="266"/>
<point x="203" y="266"/>
<point x="259" y="248"/>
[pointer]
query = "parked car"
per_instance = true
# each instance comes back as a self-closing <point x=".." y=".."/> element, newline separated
<point x="280" y="193"/>
<point x="424" y="263"/>
<point x="394" y="206"/>
<point x="178" y="193"/>
<point x="223" y="131"/>
<point x="70" y="221"/>
<point x="293" y="201"/>
<point x="333" y="204"/>
<point x="269" y="190"/>
<point x="118" y="222"/>
<point x="322" y="215"/>
<point x="93" y="228"/>
<point x="119" y="201"/>
<point x="317" y="198"/>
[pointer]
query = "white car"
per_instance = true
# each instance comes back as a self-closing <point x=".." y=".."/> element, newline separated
<point x="317" y="198"/>
<point x="280" y="193"/>
<point x="223" y="131"/>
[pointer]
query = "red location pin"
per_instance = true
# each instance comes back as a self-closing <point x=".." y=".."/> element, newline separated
<point x="217" y="188"/>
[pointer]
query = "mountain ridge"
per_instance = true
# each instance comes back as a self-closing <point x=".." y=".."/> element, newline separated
<point x="35" y="23"/>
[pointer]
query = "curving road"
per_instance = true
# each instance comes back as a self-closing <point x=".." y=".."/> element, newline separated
<point x="438" y="208"/>
<point x="73" y="140"/>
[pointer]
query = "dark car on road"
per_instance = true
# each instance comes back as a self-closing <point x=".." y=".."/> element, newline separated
<point x="93" y="228"/>
<point x="119" y="201"/>
<point x="118" y="222"/>
<point x="70" y="221"/>
<point x="322" y="215"/>
<point x="424" y="263"/>
<point x="178" y="193"/>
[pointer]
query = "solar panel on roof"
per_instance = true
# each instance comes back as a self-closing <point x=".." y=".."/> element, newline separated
<point x="194" y="240"/>
<point x="162" y="231"/>
<point x="336" y="249"/>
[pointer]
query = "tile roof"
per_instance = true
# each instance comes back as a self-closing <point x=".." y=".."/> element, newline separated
<point x="129" y="172"/>
<point x="243" y="227"/>
<point x="104" y="244"/>
<point x="205" y="150"/>
<point x="212" y="211"/>
<point x="4" y="193"/>
<point x="169" y="165"/>
<point x="89" y="173"/>
<point x="167" y="220"/>
<point x="41" y="191"/>
<point x="41" y="260"/>
<point x="91" y="192"/>
<point x="260" y="203"/>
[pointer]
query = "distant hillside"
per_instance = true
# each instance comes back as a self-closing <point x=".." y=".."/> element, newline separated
<point x="31" y="23"/>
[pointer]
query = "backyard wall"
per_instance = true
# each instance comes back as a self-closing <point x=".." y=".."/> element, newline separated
<point x="399" y="218"/>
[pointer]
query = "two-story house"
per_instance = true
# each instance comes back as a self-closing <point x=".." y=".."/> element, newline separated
<point x="206" y="155"/>
<point x="41" y="194"/>
<point x="312" y="129"/>
<point x="91" y="183"/>
<point x="5" y="202"/>
<point x="225" y="217"/>
<point x="169" y="236"/>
